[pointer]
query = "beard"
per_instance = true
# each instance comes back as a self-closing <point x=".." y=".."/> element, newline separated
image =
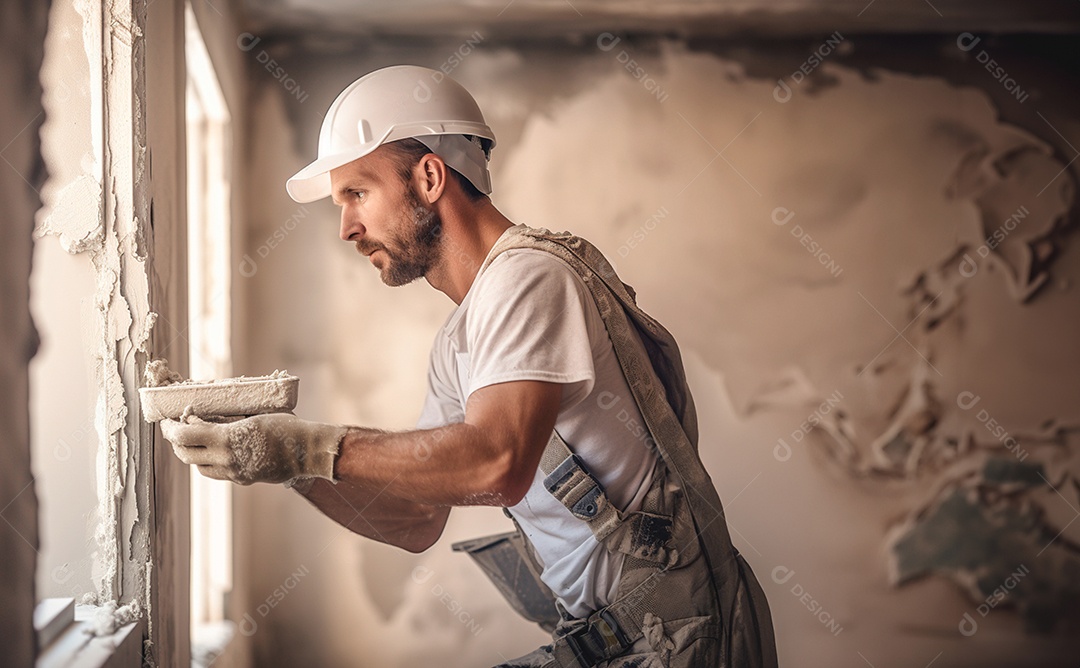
<point x="413" y="247"/>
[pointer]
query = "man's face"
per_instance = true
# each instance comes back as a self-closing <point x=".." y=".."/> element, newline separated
<point x="384" y="217"/>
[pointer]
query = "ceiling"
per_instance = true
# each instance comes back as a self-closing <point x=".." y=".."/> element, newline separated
<point x="571" y="19"/>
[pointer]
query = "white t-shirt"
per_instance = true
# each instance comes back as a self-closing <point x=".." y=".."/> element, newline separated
<point x="529" y="316"/>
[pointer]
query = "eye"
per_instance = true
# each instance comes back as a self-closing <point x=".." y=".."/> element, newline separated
<point x="358" y="194"/>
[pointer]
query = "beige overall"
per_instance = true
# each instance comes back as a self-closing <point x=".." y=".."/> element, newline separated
<point x="686" y="597"/>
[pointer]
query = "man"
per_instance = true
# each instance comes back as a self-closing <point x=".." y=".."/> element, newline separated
<point x="550" y="394"/>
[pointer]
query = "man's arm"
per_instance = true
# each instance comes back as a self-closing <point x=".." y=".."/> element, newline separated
<point x="377" y="515"/>
<point x="489" y="459"/>
<point x="395" y="486"/>
<point x="372" y="509"/>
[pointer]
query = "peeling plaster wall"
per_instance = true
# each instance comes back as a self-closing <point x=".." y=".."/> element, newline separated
<point x="717" y="195"/>
<point x="92" y="295"/>
<point x="109" y="237"/>
<point x="66" y="441"/>
<point x="99" y="288"/>
<point x="22" y="31"/>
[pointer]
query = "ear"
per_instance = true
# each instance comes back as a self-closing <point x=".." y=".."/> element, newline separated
<point x="433" y="174"/>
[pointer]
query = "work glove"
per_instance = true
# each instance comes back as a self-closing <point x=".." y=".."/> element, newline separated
<point x="274" y="448"/>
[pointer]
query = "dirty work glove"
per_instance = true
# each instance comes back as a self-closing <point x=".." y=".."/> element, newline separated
<point x="277" y="447"/>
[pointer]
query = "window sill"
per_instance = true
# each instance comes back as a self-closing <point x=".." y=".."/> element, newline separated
<point x="65" y="639"/>
<point x="209" y="643"/>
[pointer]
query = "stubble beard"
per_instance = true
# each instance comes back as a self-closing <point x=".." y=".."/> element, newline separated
<point x="415" y="247"/>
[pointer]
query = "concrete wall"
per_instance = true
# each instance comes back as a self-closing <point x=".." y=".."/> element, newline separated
<point x="816" y="244"/>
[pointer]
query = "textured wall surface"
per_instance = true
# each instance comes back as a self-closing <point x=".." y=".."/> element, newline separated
<point x="111" y="251"/>
<point x="65" y="441"/>
<point x="871" y="270"/>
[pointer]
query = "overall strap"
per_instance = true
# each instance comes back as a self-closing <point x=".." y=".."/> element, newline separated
<point x="574" y="487"/>
<point x="610" y="631"/>
<point x="659" y="388"/>
<point x="658" y="392"/>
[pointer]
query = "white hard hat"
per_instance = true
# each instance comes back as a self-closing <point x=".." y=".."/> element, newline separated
<point x="396" y="103"/>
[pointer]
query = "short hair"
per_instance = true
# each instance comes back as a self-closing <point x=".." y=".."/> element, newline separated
<point x="407" y="152"/>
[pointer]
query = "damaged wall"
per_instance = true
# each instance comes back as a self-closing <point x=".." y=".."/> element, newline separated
<point x="115" y="515"/>
<point x="22" y="29"/>
<point x="871" y="270"/>
<point x="92" y="298"/>
<point x="66" y="442"/>
<point x="110" y="288"/>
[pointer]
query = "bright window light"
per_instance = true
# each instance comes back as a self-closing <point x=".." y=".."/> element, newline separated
<point x="209" y="228"/>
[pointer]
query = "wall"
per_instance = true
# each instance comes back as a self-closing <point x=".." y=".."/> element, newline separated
<point x="816" y="244"/>
<point x="22" y="28"/>
<point x="63" y="300"/>
<point x="110" y="291"/>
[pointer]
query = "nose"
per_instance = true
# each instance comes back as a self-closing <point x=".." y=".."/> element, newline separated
<point x="351" y="228"/>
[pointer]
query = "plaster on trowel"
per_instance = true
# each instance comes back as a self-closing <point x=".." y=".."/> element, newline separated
<point x="168" y="396"/>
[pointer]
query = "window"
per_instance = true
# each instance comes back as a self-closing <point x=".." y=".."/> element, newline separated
<point x="209" y="225"/>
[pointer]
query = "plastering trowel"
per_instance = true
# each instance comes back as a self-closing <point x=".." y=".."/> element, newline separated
<point x="169" y="396"/>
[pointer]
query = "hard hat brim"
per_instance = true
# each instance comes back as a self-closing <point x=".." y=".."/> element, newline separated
<point x="313" y="181"/>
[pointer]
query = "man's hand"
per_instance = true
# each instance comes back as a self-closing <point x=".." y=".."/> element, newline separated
<point x="274" y="448"/>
